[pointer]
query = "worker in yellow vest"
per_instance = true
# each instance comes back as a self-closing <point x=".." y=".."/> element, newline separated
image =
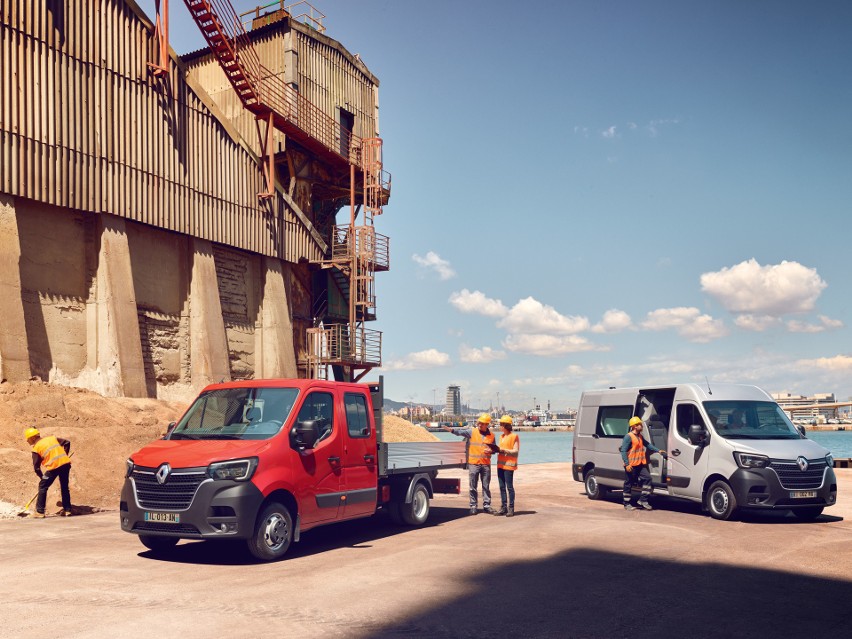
<point x="634" y="454"/>
<point x="479" y="453"/>
<point x="50" y="461"/>
<point x="507" y="464"/>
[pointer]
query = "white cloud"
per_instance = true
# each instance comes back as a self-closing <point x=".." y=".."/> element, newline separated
<point x="422" y="360"/>
<point x="435" y="262"/>
<point x="830" y="323"/>
<point x="479" y="355"/>
<point x="476" y="302"/>
<point x="609" y="133"/>
<point x="531" y="316"/>
<point x="549" y="345"/>
<point x="826" y="323"/>
<point x="613" y="321"/>
<point x="755" y="322"/>
<point x="688" y="322"/>
<point x="774" y="290"/>
<point x="838" y="363"/>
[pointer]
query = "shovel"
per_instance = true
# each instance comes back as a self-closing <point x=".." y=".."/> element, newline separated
<point x="26" y="509"/>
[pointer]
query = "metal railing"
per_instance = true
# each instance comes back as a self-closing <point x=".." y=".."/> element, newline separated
<point x="344" y="345"/>
<point x="310" y="15"/>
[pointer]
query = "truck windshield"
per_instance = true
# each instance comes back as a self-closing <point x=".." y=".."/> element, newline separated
<point x="750" y="420"/>
<point x="237" y="413"/>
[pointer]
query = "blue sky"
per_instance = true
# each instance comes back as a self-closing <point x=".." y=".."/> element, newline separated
<point x="608" y="193"/>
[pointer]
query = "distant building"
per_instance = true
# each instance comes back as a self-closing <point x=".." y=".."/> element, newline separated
<point x="453" y="405"/>
<point x="789" y="402"/>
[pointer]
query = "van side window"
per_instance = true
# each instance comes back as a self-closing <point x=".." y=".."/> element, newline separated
<point x="357" y="420"/>
<point x="612" y="421"/>
<point x="320" y="407"/>
<point x="687" y="415"/>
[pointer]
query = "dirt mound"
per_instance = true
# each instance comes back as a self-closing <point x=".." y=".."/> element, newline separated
<point x="103" y="431"/>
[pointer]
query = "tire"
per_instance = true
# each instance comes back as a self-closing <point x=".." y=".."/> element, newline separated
<point x="593" y="489"/>
<point x="158" y="544"/>
<point x="273" y="533"/>
<point x="721" y="501"/>
<point x="417" y="512"/>
<point x="808" y="514"/>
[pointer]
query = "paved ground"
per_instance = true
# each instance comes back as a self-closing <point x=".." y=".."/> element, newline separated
<point x="563" y="567"/>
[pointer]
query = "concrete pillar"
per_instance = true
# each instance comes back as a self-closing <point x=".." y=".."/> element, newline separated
<point x="119" y="357"/>
<point x="276" y="352"/>
<point x="14" y="349"/>
<point x="209" y="360"/>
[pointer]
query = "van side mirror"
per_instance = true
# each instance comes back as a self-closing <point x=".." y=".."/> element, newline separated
<point x="169" y="429"/>
<point x="698" y="435"/>
<point x="801" y="430"/>
<point x="305" y="434"/>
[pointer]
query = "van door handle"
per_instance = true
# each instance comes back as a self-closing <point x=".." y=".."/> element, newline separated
<point x="369" y="458"/>
<point x="676" y="452"/>
<point x="334" y="461"/>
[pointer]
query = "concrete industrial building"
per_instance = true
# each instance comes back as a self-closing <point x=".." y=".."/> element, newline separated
<point x="136" y="256"/>
<point x="453" y="400"/>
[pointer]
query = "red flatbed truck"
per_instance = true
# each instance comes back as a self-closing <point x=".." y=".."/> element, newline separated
<point x="265" y="460"/>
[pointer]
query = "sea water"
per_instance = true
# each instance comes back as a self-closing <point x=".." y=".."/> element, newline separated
<point x="544" y="447"/>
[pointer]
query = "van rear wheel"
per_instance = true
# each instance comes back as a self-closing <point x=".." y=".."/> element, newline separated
<point x="417" y="512"/>
<point x="808" y="514"/>
<point x="721" y="501"/>
<point x="593" y="489"/>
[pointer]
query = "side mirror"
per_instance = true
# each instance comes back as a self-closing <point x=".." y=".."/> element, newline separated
<point x="801" y="430"/>
<point x="305" y="434"/>
<point x="698" y="435"/>
<point x="169" y="429"/>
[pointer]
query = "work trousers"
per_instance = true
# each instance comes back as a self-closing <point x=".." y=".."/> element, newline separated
<point x="47" y="480"/>
<point x="639" y="476"/>
<point x="475" y="471"/>
<point x="506" y="479"/>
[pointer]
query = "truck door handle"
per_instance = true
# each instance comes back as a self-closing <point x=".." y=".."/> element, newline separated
<point x="676" y="452"/>
<point x="334" y="461"/>
<point x="369" y="458"/>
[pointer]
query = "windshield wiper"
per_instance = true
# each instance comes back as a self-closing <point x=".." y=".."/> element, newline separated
<point x="182" y="436"/>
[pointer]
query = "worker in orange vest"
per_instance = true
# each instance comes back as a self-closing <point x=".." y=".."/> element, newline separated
<point x="507" y="463"/>
<point x="50" y="461"/>
<point x="479" y="453"/>
<point x="634" y="454"/>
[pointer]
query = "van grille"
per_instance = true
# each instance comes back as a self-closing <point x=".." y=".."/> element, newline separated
<point x="794" y="478"/>
<point x="175" y="494"/>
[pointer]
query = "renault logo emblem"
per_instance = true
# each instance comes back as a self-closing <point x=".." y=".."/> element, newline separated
<point x="163" y="471"/>
<point x="803" y="463"/>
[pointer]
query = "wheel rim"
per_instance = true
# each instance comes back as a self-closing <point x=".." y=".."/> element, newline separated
<point x="591" y="485"/>
<point x="420" y="504"/>
<point x="719" y="501"/>
<point x="275" y="532"/>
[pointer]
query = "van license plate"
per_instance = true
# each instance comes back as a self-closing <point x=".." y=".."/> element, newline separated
<point x="802" y="494"/>
<point x="163" y="518"/>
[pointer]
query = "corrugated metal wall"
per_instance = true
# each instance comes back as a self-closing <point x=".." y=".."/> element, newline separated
<point x="84" y="125"/>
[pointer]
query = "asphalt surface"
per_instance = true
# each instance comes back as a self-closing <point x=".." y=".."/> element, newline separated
<point x="564" y="566"/>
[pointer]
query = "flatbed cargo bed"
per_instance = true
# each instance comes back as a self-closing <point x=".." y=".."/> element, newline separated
<point x="406" y="457"/>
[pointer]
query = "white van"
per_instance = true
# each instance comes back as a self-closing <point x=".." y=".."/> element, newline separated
<point x="729" y="446"/>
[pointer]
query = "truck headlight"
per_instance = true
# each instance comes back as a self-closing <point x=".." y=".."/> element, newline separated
<point x="829" y="460"/>
<point x="236" y="469"/>
<point x="747" y="460"/>
<point x="129" y="465"/>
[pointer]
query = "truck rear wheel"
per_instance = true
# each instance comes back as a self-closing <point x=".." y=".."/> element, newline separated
<point x="593" y="489"/>
<point x="721" y="501"/>
<point x="158" y="544"/>
<point x="417" y="512"/>
<point x="273" y="533"/>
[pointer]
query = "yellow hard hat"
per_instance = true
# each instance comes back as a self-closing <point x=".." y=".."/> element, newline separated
<point x="506" y="420"/>
<point x="485" y="418"/>
<point x="633" y="421"/>
<point x="31" y="432"/>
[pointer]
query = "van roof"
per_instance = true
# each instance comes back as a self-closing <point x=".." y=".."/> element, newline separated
<point x="701" y="392"/>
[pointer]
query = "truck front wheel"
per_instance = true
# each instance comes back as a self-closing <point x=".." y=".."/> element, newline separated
<point x="273" y="533"/>
<point x="158" y="544"/>
<point x="417" y="512"/>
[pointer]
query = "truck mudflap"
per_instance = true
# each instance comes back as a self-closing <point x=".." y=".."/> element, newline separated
<point x="220" y="509"/>
<point x="761" y="488"/>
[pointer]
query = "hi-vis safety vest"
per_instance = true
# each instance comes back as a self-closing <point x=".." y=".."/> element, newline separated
<point x="510" y="461"/>
<point x="636" y="454"/>
<point x="476" y="454"/>
<point x="52" y="453"/>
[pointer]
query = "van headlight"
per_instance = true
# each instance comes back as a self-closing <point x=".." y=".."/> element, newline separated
<point x="236" y="469"/>
<point x="129" y="466"/>
<point x="747" y="460"/>
<point x="829" y="460"/>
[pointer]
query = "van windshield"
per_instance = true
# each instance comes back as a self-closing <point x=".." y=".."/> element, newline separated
<point x="237" y="413"/>
<point x="750" y="420"/>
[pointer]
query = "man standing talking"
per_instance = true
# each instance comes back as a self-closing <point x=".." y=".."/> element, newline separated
<point x="478" y="459"/>
<point x="50" y="461"/>
<point x="634" y="454"/>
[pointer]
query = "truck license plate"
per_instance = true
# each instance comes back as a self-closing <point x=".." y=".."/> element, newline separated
<point x="163" y="518"/>
<point x="802" y="494"/>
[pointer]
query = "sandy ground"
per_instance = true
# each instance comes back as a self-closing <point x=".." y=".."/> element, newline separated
<point x="103" y="433"/>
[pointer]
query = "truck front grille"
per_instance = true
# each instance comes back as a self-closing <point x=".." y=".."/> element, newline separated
<point x="150" y="526"/>
<point x="175" y="494"/>
<point x="794" y="478"/>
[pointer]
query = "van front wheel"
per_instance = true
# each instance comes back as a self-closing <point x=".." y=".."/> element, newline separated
<point x="721" y="501"/>
<point x="808" y="514"/>
<point x="593" y="489"/>
<point x="273" y="533"/>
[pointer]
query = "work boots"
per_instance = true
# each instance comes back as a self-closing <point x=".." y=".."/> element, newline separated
<point x="644" y="503"/>
<point x="510" y="512"/>
<point x="502" y="511"/>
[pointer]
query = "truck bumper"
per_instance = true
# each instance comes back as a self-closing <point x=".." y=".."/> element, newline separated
<point x="760" y="488"/>
<point x="220" y="509"/>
